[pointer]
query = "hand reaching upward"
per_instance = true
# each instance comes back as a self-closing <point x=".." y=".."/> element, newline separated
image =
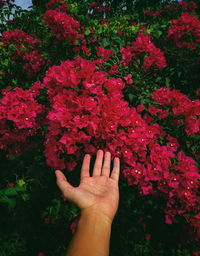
<point x="98" y="194"/>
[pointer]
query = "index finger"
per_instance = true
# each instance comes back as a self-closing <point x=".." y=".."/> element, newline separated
<point x="85" y="169"/>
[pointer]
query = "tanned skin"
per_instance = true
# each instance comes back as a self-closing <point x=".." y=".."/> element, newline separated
<point x="97" y="196"/>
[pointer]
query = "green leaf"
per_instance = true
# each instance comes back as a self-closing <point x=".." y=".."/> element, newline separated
<point x="167" y="81"/>
<point x="134" y="28"/>
<point x="105" y="42"/>
<point x="131" y="97"/>
<point x="87" y="31"/>
<point x="21" y="182"/>
<point x="148" y="31"/>
<point x="157" y="33"/>
<point x="158" y="79"/>
<point x="20" y="188"/>
<point x="10" y="201"/>
<point x="25" y="197"/>
<point x="10" y="192"/>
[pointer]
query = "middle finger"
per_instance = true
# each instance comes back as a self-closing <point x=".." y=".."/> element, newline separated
<point x="98" y="163"/>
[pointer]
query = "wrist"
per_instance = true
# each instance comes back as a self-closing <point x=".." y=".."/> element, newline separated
<point x="90" y="214"/>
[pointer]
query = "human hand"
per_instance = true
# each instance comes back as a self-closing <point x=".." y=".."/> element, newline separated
<point x="98" y="194"/>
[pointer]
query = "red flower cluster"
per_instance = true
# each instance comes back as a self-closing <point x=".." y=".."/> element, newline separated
<point x="97" y="7"/>
<point x="92" y="35"/>
<point x="19" y="119"/>
<point x="62" y="25"/>
<point x="57" y="4"/>
<point x="153" y="13"/>
<point x="182" y="106"/>
<point x="104" y="54"/>
<point x="20" y="38"/>
<point x="143" y="44"/>
<point x="88" y="112"/>
<point x="186" y="23"/>
<point x="79" y="110"/>
<point x="32" y="59"/>
<point x="185" y="186"/>
<point x="113" y="69"/>
<point x="33" y="62"/>
<point x="158" y="112"/>
<point x="195" y="221"/>
<point x="188" y="6"/>
<point x="82" y="46"/>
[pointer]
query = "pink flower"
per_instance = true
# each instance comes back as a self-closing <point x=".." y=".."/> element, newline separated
<point x="148" y="236"/>
<point x="143" y="44"/>
<point x="62" y="25"/>
<point x="186" y="23"/>
<point x="20" y="118"/>
<point x="20" y="107"/>
<point x="88" y="111"/>
<point x="20" y="37"/>
<point x="73" y="225"/>
<point x="47" y="220"/>
<point x="168" y="220"/>
<point x="172" y="143"/>
<point x="158" y="112"/>
<point x="146" y="188"/>
<point x="151" y="13"/>
<point x="120" y="32"/>
<point x="192" y="125"/>
<point x="140" y="108"/>
<point x="128" y="79"/>
<point x="95" y="4"/>
<point x="10" y="185"/>
<point x="188" y="7"/>
<point x="113" y="69"/>
<point x="60" y="4"/>
<point x="26" y="44"/>
<point x="41" y="254"/>
<point x="104" y="53"/>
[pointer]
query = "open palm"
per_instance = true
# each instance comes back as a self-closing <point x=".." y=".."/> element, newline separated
<point x="99" y="193"/>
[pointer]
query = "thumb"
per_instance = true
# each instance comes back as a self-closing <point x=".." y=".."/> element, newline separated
<point x="65" y="187"/>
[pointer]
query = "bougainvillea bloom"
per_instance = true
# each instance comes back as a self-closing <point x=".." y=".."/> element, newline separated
<point x="62" y="25"/>
<point x="26" y="51"/>
<point x="104" y="53"/>
<point x="57" y="4"/>
<point x="19" y="37"/>
<point x="181" y="106"/>
<point x="187" y="23"/>
<point x="188" y="6"/>
<point x="143" y="44"/>
<point x="19" y="119"/>
<point x="88" y="112"/>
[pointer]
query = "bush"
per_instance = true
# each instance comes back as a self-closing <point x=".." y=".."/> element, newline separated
<point x="77" y="76"/>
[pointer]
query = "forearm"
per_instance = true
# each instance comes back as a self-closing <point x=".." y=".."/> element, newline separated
<point x="92" y="237"/>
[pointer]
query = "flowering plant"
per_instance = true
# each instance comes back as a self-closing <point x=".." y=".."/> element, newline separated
<point x="124" y="85"/>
